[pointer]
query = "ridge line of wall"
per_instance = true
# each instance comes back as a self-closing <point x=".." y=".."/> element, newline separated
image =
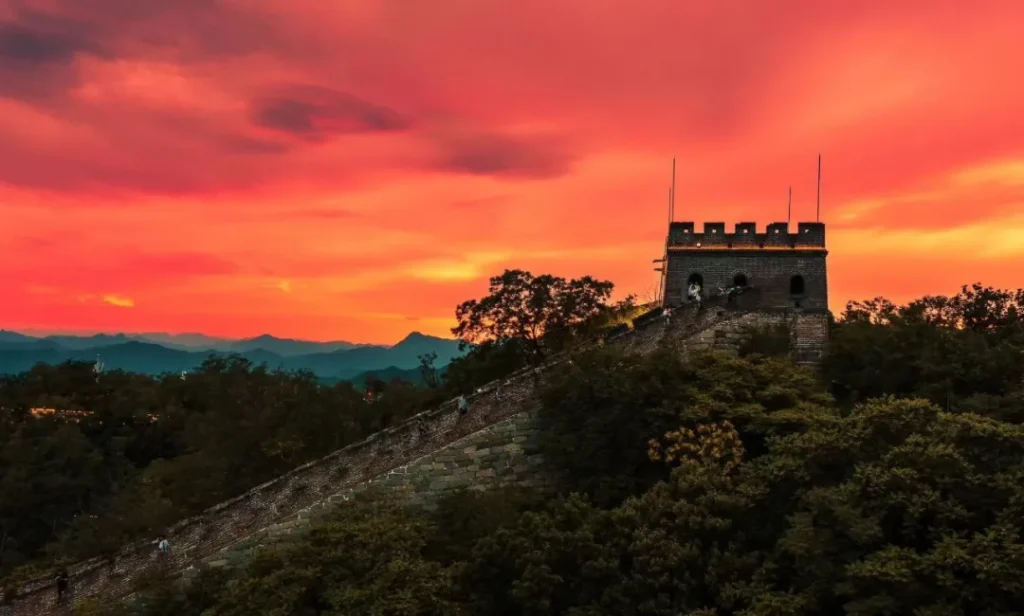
<point x="220" y="526"/>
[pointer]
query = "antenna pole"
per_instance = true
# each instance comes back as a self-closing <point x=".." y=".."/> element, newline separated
<point x="819" y="189"/>
<point x="673" y="198"/>
<point x="670" y="206"/>
<point x="789" y="206"/>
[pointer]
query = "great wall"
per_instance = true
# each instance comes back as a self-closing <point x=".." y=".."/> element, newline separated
<point x="782" y="277"/>
<point x="432" y="453"/>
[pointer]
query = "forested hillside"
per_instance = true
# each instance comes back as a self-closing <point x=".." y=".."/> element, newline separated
<point x="889" y="481"/>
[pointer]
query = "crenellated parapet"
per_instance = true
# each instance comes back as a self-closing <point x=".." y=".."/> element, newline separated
<point x="786" y="270"/>
<point x="777" y="235"/>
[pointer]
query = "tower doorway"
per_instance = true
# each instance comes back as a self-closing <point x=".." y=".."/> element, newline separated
<point x="796" y="285"/>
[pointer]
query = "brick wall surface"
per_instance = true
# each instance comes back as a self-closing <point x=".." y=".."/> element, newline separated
<point x="745" y="235"/>
<point x="768" y="262"/>
<point x="503" y="454"/>
<point x="809" y="333"/>
<point x="768" y="272"/>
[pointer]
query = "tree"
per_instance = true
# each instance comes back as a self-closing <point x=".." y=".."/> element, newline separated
<point x="428" y="370"/>
<point x="600" y="412"/>
<point x="540" y="310"/>
<point x="945" y="349"/>
<point x="895" y="508"/>
<point x="366" y="560"/>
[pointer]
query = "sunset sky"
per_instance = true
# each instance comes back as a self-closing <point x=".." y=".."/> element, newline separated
<point x="354" y="169"/>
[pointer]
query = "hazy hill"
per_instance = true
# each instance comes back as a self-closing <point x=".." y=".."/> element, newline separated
<point x="189" y="342"/>
<point x="89" y="342"/>
<point x="9" y="336"/>
<point x="412" y="375"/>
<point x="286" y="346"/>
<point x="119" y="351"/>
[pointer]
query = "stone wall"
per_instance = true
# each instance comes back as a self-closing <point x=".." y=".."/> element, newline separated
<point x="291" y="497"/>
<point x="504" y="454"/>
<point x="769" y="262"/>
<point x="745" y="235"/>
<point x="770" y="272"/>
<point x="809" y="333"/>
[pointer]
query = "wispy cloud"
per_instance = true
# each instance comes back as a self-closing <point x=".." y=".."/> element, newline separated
<point x="119" y="301"/>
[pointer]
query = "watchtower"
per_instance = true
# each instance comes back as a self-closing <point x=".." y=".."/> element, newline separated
<point x="782" y="275"/>
<point x="785" y="270"/>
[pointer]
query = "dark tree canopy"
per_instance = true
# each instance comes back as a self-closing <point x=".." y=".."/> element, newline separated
<point x="945" y="349"/>
<point x="539" y="310"/>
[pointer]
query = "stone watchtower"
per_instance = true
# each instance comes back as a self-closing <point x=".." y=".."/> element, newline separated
<point x="784" y="273"/>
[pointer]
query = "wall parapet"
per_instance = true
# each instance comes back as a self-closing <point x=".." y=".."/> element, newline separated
<point x="809" y="235"/>
<point x="201" y="536"/>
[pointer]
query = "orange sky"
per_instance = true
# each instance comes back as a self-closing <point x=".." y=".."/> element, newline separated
<point x="353" y="170"/>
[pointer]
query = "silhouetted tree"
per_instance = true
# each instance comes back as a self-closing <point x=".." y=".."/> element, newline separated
<point x="538" y="310"/>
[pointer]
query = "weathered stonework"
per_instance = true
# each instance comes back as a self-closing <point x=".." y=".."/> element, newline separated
<point x="504" y="454"/>
<point x="787" y="269"/>
<point x="808" y="333"/>
<point x="396" y="457"/>
<point x="784" y="275"/>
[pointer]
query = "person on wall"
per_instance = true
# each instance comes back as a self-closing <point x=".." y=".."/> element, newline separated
<point x="693" y="293"/>
<point x="63" y="581"/>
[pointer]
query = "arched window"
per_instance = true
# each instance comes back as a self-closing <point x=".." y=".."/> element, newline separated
<point x="796" y="285"/>
<point x="739" y="280"/>
<point x="695" y="278"/>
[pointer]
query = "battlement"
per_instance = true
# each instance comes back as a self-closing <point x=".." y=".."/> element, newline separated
<point x="808" y="236"/>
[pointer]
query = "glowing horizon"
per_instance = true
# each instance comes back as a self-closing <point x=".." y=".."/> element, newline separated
<point x="354" y="172"/>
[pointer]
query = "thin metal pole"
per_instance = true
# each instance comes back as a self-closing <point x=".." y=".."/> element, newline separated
<point x="789" y="206"/>
<point x="819" y="189"/>
<point x="673" y="202"/>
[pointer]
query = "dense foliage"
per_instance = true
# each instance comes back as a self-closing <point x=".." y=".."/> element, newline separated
<point x="542" y="314"/>
<point x="89" y="462"/>
<point x="707" y="485"/>
<point x="963" y="352"/>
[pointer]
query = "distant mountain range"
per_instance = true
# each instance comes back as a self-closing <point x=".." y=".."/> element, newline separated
<point x="156" y="353"/>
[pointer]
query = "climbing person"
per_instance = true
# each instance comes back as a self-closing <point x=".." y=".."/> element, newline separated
<point x="163" y="545"/>
<point x="62" y="580"/>
<point x="463" y="405"/>
<point x="667" y="313"/>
